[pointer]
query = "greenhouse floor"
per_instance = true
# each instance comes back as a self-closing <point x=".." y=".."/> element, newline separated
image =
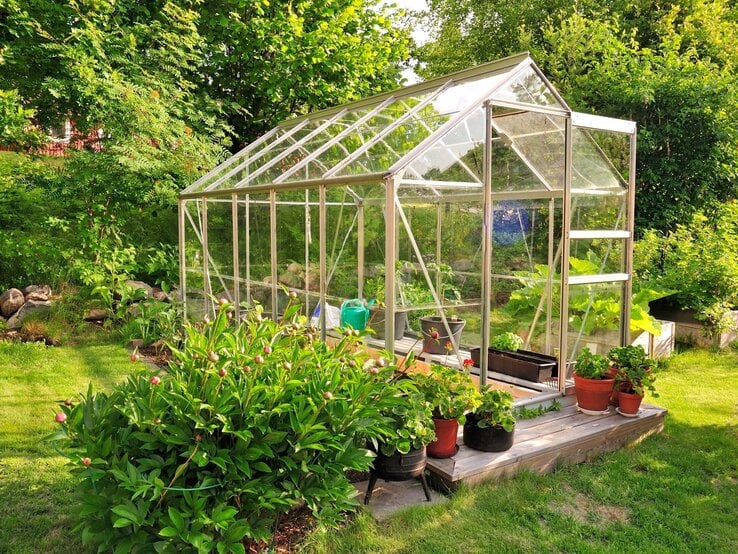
<point x="545" y="442"/>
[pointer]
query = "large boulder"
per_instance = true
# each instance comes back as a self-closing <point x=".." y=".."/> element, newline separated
<point x="140" y="285"/>
<point x="31" y="307"/>
<point x="38" y="290"/>
<point x="11" y="301"/>
<point x="96" y="314"/>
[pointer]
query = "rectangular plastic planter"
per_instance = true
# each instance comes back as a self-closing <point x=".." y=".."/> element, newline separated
<point x="523" y="364"/>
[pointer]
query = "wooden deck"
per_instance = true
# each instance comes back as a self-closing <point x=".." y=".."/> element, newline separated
<point x="563" y="437"/>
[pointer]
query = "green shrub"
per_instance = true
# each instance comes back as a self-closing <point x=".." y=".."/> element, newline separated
<point x="153" y="321"/>
<point x="250" y="421"/>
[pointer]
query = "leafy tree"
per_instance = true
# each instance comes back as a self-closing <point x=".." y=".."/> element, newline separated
<point x="266" y="60"/>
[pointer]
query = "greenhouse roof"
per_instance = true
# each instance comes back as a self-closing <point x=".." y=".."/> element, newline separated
<point x="431" y="133"/>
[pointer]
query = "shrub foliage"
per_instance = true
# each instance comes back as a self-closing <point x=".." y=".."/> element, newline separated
<point x="247" y="423"/>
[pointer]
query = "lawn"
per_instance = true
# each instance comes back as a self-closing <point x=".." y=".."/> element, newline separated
<point x="35" y="488"/>
<point x="674" y="492"/>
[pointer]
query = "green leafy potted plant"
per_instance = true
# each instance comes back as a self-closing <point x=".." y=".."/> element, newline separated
<point x="401" y="454"/>
<point x="491" y="426"/>
<point x="374" y="289"/>
<point x="633" y="377"/>
<point x="504" y="356"/>
<point x="436" y="337"/>
<point x="592" y="382"/>
<point x="451" y="393"/>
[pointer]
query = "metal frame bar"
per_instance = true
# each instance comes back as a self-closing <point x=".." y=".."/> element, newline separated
<point x="487" y="223"/>
<point x="389" y="262"/>
<point x="206" y="257"/>
<point x="323" y="269"/>
<point x="565" y="249"/>
<point x="236" y="262"/>
<point x="599" y="234"/>
<point x="273" y="249"/>
<point x="360" y="250"/>
<point x="182" y="257"/>
<point x="598" y="278"/>
<point x="625" y="324"/>
<point x="247" y="247"/>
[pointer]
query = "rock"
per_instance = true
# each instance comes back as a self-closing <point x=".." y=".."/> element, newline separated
<point x="37" y="295"/>
<point x="35" y="307"/>
<point x="140" y="285"/>
<point x="42" y="289"/>
<point x="11" y="301"/>
<point x="160" y="295"/>
<point x="96" y="314"/>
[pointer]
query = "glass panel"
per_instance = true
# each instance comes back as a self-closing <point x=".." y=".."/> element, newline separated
<point x="528" y="88"/>
<point x="528" y="151"/>
<point x="594" y="317"/>
<point x="401" y="140"/>
<point x="458" y="156"/>
<point x="359" y="136"/>
<point x="342" y="237"/>
<point x="254" y="250"/>
<point x="595" y="154"/>
<point x="526" y="292"/>
<point x="242" y="168"/>
<point x="596" y="256"/>
<point x="194" y="282"/>
<point x="298" y="248"/>
<point x="220" y="248"/>
<point x="599" y="212"/>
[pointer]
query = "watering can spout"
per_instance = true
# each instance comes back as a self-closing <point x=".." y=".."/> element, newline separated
<point x="355" y="313"/>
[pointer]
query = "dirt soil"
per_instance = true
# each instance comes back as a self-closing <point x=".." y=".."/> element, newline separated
<point x="293" y="528"/>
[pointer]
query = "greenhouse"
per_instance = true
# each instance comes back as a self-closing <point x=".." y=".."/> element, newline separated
<point x="441" y="216"/>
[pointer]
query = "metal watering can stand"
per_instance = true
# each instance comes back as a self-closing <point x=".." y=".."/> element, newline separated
<point x="355" y="312"/>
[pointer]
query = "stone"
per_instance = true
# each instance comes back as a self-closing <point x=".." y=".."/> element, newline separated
<point x="160" y="295"/>
<point x="43" y="289"/>
<point x="37" y="295"/>
<point x="96" y="314"/>
<point x="11" y="301"/>
<point x="140" y="285"/>
<point x="35" y="307"/>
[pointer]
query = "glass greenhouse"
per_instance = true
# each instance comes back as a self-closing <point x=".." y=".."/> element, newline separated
<point x="489" y="200"/>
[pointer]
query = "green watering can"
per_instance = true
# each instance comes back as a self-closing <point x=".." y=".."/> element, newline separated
<point x="355" y="312"/>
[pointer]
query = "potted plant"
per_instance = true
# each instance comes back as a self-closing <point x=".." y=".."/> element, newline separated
<point x="504" y="356"/>
<point x="401" y="455"/>
<point x="592" y="382"/>
<point x="491" y="426"/>
<point x="437" y="339"/>
<point x="374" y="289"/>
<point x="451" y="393"/>
<point x="633" y="377"/>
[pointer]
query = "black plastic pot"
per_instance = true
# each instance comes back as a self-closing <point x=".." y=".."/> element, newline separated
<point x="398" y="467"/>
<point x="523" y="364"/>
<point x="435" y="323"/>
<point x="487" y="439"/>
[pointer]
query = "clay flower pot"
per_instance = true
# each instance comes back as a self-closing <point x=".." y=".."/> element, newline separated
<point x="629" y="402"/>
<point x="445" y="444"/>
<point x="593" y="394"/>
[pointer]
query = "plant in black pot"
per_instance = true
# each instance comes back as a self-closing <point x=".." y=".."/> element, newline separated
<point x="593" y="383"/>
<point x="491" y="426"/>
<point x="505" y="356"/>
<point x="633" y="377"/>
<point x="452" y="394"/>
<point x="437" y="337"/>
<point x="401" y="451"/>
<point x="374" y="289"/>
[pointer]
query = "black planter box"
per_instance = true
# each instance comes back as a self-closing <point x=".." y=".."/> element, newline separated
<point x="523" y="364"/>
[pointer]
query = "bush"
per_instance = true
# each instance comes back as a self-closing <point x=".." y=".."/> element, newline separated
<point x="698" y="260"/>
<point x="248" y="422"/>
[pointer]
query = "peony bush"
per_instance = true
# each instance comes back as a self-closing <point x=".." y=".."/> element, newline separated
<point x="247" y="422"/>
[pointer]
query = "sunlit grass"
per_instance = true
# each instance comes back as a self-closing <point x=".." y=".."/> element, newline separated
<point x="35" y="488"/>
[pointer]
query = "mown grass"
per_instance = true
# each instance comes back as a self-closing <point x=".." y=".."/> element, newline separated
<point x="674" y="492"/>
<point x="35" y="488"/>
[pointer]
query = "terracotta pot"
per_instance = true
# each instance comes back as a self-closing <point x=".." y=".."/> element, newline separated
<point x="445" y="444"/>
<point x="612" y="372"/>
<point x="630" y="402"/>
<point x="593" y="394"/>
<point x="487" y="439"/>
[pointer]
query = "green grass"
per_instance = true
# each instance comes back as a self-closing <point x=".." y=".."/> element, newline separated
<point x="674" y="492"/>
<point x="35" y="488"/>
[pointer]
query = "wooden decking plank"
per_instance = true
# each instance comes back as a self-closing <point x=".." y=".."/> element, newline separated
<point x="543" y="442"/>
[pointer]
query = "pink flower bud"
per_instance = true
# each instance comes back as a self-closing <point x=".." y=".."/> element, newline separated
<point x="434" y="335"/>
<point x="135" y="357"/>
<point x="198" y="437"/>
<point x="381" y="362"/>
<point x="61" y="417"/>
<point x="373" y="370"/>
<point x="246" y="368"/>
<point x="155" y="380"/>
<point x="287" y="366"/>
<point x="213" y="357"/>
<point x="86" y="462"/>
<point x="328" y="395"/>
<point x="267" y="349"/>
<point x="259" y="359"/>
<point x="223" y="372"/>
<point x="68" y="402"/>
